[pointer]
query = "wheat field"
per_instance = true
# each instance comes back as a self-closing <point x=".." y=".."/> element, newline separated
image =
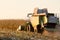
<point x="8" y="32"/>
<point x="11" y="24"/>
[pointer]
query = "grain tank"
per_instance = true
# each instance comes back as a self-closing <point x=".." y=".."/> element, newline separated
<point x="52" y="20"/>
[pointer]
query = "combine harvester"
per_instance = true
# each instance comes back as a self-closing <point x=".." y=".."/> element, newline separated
<point x="40" y="19"/>
<point x="37" y="20"/>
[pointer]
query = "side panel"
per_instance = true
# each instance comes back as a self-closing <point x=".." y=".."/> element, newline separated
<point x="34" y="20"/>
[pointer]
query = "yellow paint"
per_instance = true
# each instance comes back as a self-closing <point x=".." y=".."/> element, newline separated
<point x="35" y="20"/>
<point x="45" y="19"/>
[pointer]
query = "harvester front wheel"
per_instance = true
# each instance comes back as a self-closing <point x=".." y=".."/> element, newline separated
<point x="28" y="28"/>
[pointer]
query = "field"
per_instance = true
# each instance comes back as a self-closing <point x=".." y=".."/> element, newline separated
<point x="8" y="31"/>
<point x="11" y="24"/>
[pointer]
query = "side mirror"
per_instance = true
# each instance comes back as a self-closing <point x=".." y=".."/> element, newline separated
<point x="29" y="15"/>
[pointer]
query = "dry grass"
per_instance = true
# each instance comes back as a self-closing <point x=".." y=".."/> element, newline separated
<point x="11" y="24"/>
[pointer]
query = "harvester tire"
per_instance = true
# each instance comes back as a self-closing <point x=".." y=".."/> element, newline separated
<point x="30" y="28"/>
<point x="51" y="25"/>
<point x="39" y="29"/>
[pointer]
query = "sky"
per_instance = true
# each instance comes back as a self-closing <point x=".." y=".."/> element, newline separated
<point x="18" y="9"/>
